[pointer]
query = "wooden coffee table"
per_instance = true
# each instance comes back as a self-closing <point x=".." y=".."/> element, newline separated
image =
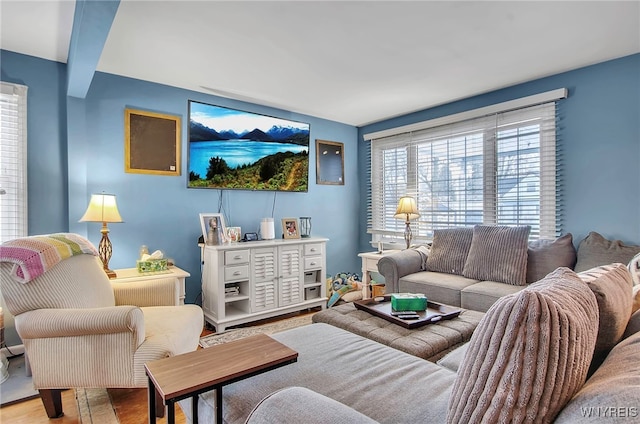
<point x="190" y="374"/>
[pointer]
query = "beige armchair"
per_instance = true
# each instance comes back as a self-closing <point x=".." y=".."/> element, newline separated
<point x="79" y="330"/>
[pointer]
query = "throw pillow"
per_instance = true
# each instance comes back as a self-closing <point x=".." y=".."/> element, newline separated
<point x="633" y="326"/>
<point x="595" y="250"/>
<point x="529" y="355"/>
<point x="636" y="299"/>
<point x="449" y="250"/>
<point x="612" y="286"/>
<point x="634" y="269"/>
<point x="498" y="253"/>
<point x="544" y="256"/>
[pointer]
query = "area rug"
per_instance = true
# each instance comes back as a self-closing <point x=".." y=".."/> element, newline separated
<point x="240" y="333"/>
<point x="95" y="407"/>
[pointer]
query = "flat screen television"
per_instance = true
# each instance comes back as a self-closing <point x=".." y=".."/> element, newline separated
<point x="234" y="149"/>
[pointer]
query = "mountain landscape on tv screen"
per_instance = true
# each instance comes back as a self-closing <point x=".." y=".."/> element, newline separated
<point x="276" y="158"/>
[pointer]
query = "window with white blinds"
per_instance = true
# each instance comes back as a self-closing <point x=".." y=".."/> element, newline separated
<point x="13" y="161"/>
<point x="499" y="169"/>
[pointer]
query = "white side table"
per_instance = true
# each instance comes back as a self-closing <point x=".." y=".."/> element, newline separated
<point x="369" y="265"/>
<point x="129" y="275"/>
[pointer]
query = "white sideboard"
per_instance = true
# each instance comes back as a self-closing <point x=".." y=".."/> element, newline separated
<point x="250" y="281"/>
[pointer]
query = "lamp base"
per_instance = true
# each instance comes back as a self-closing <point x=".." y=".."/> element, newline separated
<point x="407" y="233"/>
<point x="105" y="250"/>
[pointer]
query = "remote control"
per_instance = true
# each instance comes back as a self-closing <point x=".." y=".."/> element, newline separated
<point x="396" y="313"/>
<point x="408" y="316"/>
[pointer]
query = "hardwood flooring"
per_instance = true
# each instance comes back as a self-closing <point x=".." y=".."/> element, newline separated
<point x="130" y="404"/>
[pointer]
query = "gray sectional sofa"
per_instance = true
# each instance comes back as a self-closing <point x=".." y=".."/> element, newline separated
<point x="474" y="267"/>
<point x="565" y="349"/>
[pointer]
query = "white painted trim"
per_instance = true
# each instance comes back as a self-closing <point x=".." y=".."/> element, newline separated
<point x="560" y="93"/>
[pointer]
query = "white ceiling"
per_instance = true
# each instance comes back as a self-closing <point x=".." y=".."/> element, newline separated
<point x="353" y="62"/>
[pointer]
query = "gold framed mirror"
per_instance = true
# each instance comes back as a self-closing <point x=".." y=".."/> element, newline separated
<point x="329" y="162"/>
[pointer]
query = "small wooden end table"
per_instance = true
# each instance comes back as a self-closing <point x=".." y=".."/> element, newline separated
<point x="190" y="374"/>
<point x="369" y="265"/>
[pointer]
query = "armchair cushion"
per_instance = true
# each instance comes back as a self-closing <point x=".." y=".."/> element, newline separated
<point x="170" y="331"/>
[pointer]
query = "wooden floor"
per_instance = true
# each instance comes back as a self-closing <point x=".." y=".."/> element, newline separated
<point x="130" y="404"/>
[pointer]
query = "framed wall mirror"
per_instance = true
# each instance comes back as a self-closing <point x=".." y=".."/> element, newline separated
<point x="329" y="162"/>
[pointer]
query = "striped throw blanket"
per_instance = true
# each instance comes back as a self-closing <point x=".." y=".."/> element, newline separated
<point x="35" y="255"/>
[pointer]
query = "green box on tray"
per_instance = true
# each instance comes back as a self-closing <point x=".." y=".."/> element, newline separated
<point x="408" y="302"/>
<point x="152" y="265"/>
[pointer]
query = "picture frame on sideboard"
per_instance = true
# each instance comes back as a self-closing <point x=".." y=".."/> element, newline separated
<point x="213" y="228"/>
<point x="290" y="228"/>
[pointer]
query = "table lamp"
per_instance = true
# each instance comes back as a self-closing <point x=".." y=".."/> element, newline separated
<point x="407" y="210"/>
<point x="103" y="208"/>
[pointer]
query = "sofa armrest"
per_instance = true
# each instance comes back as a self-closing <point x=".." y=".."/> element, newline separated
<point x="397" y="265"/>
<point x="52" y="323"/>
<point x="301" y="405"/>
<point x="155" y="292"/>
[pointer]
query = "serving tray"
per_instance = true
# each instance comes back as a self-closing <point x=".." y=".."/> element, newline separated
<point x="381" y="307"/>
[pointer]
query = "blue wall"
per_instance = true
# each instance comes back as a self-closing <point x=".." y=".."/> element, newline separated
<point x="76" y="147"/>
<point x="600" y="139"/>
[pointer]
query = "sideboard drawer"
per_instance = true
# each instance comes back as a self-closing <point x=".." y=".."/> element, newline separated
<point x="234" y="273"/>
<point x="312" y="249"/>
<point x="313" y="262"/>
<point x="233" y="257"/>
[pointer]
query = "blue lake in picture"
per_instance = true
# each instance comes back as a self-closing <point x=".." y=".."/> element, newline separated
<point x="234" y="152"/>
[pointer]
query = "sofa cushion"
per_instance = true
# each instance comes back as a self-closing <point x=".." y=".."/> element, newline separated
<point x="595" y="250"/>
<point x="301" y="405"/>
<point x="347" y="368"/>
<point x="498" y="253"/>
<point x="437" y="286"/>
<point x="633" y="326"/>
<point x="449" y="250"/>
<point x="482" y="295"/>
<point x="544" y="256"/>
<point x="529" y="355"/>
<point x="612" y="287"/>
<point x="611" y="395"/>
<point x="453" y="359"/>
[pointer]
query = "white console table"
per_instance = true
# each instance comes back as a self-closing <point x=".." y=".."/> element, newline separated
<point x="369" y="265"/>
<point x="248" y="281"/>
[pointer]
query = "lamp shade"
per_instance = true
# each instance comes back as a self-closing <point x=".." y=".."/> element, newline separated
<point x="102" y="208"/>
<point x="407" y="208"/>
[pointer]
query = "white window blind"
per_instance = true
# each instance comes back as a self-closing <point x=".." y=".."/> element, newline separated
<point x="13" y="161"/>
<point x="498" y="169"/>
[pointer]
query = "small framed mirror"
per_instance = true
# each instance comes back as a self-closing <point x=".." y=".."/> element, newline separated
<point x="329" y="162"/>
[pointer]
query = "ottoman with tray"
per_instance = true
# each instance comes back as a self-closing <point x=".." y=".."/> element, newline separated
<point x="430" y="341"/>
